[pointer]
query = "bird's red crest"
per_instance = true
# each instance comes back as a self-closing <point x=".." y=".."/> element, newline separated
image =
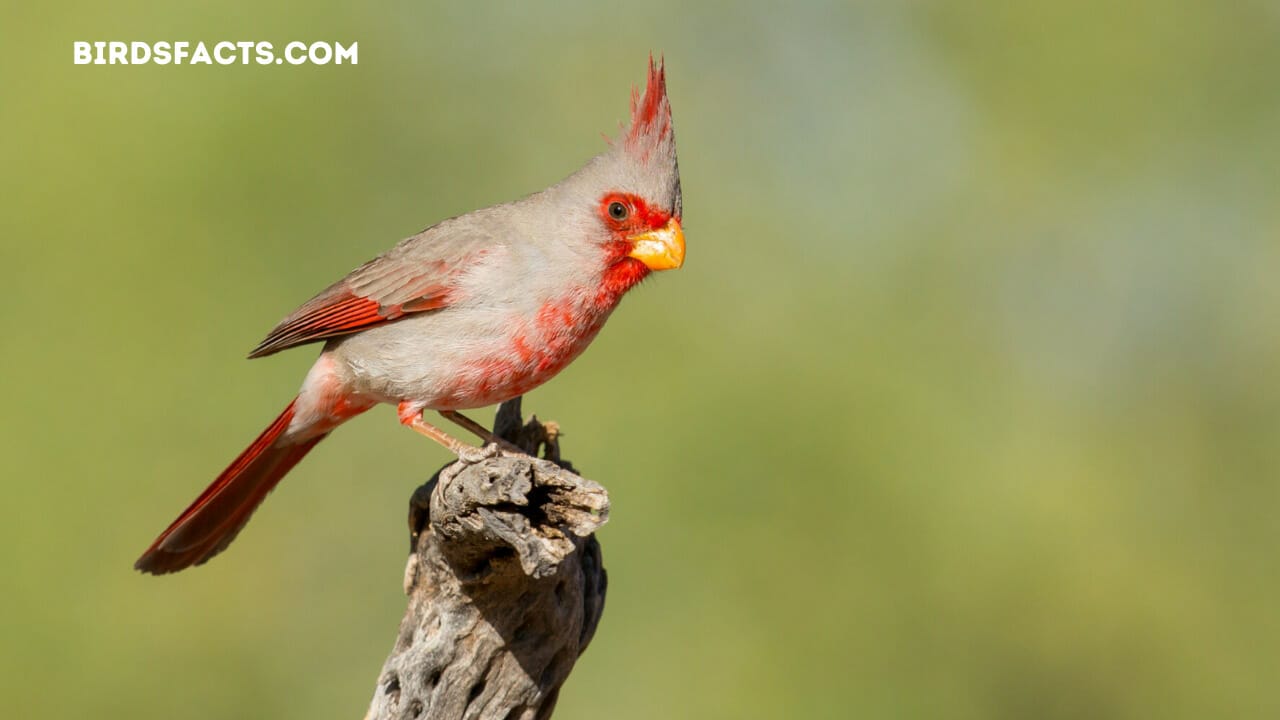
<point x="650" y="114"/>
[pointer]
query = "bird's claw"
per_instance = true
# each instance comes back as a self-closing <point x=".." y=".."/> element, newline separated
<point x="471" y="455"/>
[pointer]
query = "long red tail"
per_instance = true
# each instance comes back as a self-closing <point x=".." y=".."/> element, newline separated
<point x="215" y="518"/>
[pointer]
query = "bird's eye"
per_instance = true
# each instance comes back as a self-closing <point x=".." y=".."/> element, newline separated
<point x="618" y="211"/>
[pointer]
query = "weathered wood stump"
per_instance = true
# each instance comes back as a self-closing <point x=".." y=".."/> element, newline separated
<point x="505" y="585"/>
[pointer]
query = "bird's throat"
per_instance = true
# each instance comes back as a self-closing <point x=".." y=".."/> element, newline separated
<point x="618" y="278"/>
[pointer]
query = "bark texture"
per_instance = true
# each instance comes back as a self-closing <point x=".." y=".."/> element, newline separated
<point x="505" y="585"/>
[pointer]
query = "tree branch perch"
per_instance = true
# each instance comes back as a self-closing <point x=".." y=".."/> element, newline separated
<point x="505" y="585"/>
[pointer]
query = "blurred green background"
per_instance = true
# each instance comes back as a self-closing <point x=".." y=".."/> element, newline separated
<point x="965" y="405"/>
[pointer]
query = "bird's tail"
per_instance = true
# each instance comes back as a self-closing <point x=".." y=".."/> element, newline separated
<point x="211" y="522"/>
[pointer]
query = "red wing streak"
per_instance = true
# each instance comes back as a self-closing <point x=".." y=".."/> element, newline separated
<point x="339" y="312"/>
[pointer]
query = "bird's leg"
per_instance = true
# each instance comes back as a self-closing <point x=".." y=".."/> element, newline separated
<point x="411" y="417"/>
<point x="480" y="431"/>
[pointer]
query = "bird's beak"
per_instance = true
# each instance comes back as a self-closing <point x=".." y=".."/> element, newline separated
<point x="661" y="249"/>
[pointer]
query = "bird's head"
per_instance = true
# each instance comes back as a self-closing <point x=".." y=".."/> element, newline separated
<point x="629" y="196"/>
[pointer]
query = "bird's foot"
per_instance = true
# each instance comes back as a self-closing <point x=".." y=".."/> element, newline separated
<point x="502" y="446"/>
<point x="471" y="455"/>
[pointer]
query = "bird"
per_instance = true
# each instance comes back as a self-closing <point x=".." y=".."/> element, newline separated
<point x="470" y="312"/>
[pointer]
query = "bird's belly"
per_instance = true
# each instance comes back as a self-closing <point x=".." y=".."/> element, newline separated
<point x="448" y="362"/>
<point x="526" y="357"/>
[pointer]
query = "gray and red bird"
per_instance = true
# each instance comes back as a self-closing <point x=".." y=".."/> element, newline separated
<point x="470" y="312"/>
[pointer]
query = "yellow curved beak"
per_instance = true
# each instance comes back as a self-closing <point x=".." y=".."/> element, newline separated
<point x="661" y="249"/>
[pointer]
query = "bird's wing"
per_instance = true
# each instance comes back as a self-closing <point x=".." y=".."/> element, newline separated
<point x="413" y="277"/>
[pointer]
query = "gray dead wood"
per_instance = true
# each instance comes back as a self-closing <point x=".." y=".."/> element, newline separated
<point x="505" y="585"/>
